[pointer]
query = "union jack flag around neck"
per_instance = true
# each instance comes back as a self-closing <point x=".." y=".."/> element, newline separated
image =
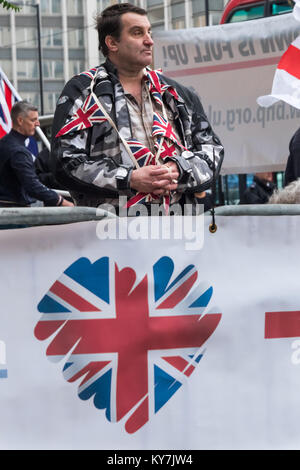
<point x="90" y="73"/>
<point x="157" y="88"/>
<point x="86" y="116"/>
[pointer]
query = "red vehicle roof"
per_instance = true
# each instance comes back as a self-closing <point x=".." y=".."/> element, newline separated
<point x="232" y="4"/>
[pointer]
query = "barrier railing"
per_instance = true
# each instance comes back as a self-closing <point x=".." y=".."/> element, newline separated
<point x="259" y="209"/>
<point x="36" y="216"/>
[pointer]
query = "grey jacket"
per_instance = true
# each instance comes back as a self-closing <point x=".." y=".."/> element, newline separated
<point x="94" y="165"/>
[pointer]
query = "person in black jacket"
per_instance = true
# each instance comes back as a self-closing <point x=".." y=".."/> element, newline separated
<point x="19" y="184"/>
<point x="260" y="190"/>
<point x="292" y="171"/>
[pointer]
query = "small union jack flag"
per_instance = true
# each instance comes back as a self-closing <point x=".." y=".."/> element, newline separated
<point x="131" y="343"/>
<point x="142" y="154"/>
<point x="167" y="149"/>
<point x="85" y="117"/>
<point x="165" y="144"/>
<point x="161" y="127"/>
<point x="144" y="157"/>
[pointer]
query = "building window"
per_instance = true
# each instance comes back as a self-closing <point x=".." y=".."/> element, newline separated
<point x="178" y="23"/>
<point x="26" y="37"/>
<point x="215" y="17"/>
<point x="52" y="37"/>
<point x="76" y="38"/>
<point x="154" y="3"/>
<point x="156" y="16"/>
<point x="32" y="97"/>
<point x="74" y="7"/>
<point x="52" y="7"/>
<point x="50" y="100"/>
<point x="7" y="68"/>
<point x="5" y="37"/>
<point x="215" y="12"/>
<point x="199" y="21"/>
<point x="27" y="69"/>
<point x="26" y="10"/>
<point x="102" y="4"/>
<point x="53" y="69"/>
<point x="76" y="67"/>
<point x="177" y="9"/>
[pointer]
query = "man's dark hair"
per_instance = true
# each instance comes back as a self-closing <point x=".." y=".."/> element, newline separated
<point x="108" y="23"/>
<point x="21" y="108"/>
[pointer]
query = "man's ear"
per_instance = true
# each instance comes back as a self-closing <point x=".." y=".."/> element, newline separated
<point x="111" y="44"/>
<point x="20" y="120"/>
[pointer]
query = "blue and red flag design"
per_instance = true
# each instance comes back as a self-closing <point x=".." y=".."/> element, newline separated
<point x="168" y="149"/>
<point x="142" y="154"/>
<point x="156" y="86"/>
<point x="8" y="97"/>
<point x="162" y="128"/>
<point x="90" y="73"/>
<point x="85" y="117"/>
<point x="132" y="343"/>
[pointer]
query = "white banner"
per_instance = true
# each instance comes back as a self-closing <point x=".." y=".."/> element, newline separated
<point x="230" y="66"/>
<point x="149" y="344"/>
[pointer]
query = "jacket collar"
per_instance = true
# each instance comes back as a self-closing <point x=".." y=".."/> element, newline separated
<point x="19" y="137"/>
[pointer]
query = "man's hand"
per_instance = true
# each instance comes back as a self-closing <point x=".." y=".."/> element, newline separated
<point x="67" y="203"/>
<point x="64" y="202"/>
<point x="159" y="179"/>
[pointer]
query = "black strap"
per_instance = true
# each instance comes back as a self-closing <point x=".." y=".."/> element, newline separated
<point x="213" y="227"/>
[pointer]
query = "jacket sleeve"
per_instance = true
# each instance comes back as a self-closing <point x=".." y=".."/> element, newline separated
<point x="71" y="161"/>
<point x="201" y="163"/>
<point x="22" y="164"/>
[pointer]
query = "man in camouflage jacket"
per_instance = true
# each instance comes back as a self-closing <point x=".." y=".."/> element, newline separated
<point x="89" y="156"/>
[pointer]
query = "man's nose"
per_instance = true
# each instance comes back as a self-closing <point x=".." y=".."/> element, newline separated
<point x="148" y="39"/>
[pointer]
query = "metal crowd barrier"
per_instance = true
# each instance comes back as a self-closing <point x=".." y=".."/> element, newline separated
<point x="37" y="216"/>
<point x="259" y="209"/>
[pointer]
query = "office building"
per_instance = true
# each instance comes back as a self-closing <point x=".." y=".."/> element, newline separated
<point x="69" y="41"/>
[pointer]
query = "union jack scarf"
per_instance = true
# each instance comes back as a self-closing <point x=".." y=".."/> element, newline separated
<point x="165" y="139"/>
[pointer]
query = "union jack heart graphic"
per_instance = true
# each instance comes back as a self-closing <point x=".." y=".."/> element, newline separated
<point x="132" y="343"/>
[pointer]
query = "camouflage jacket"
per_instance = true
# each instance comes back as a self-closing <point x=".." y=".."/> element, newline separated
<point x="93" y="165"/>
